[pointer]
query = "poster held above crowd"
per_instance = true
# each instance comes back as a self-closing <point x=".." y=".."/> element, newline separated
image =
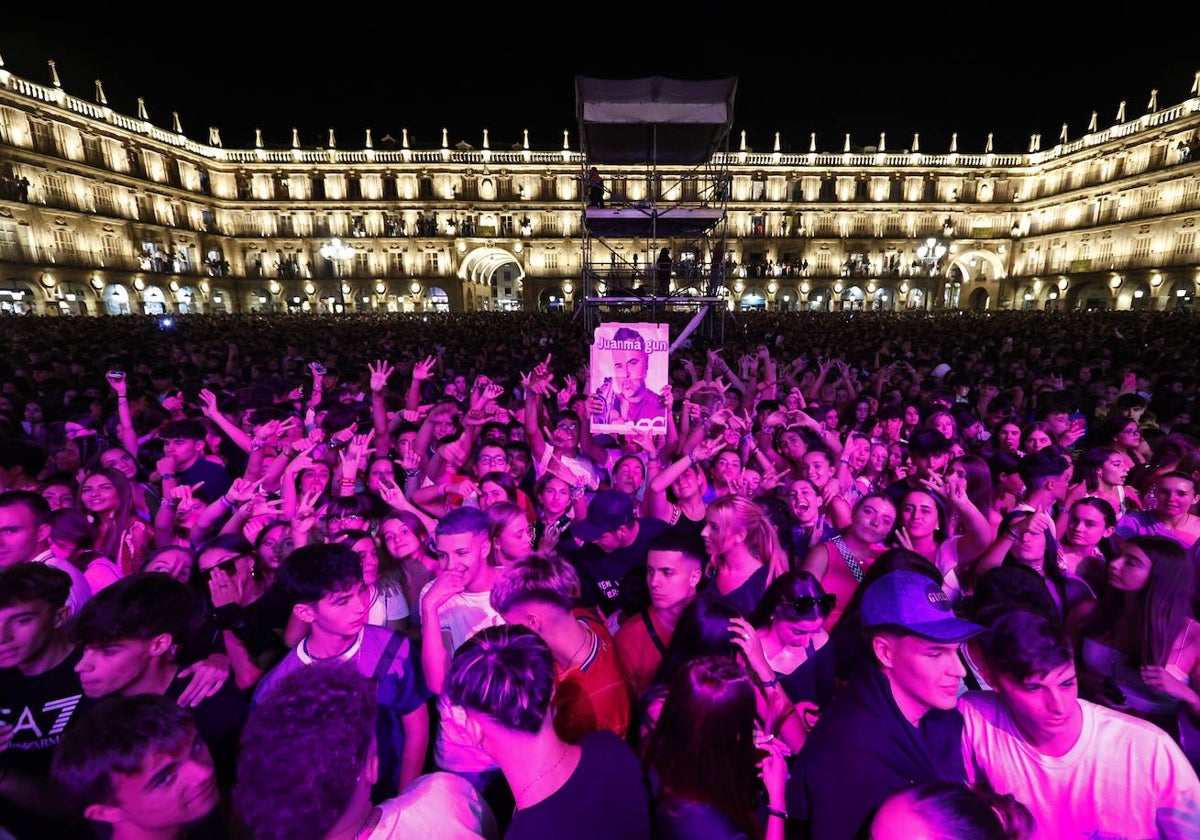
<point x="628" y="375"/>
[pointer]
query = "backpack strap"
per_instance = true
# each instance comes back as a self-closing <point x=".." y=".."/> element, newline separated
<point x="654" y="637"/>
<point x="387" y="657"/>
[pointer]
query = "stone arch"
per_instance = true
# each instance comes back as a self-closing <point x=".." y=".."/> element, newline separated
<point x="853" y="298"/>
<point x="1089" y="294"/>
<point x="17" y="297"/>
<point x="962" y="261"/>
<point x="117" y="300"/>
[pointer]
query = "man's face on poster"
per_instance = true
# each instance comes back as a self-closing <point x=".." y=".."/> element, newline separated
<point x="629" y="371"/>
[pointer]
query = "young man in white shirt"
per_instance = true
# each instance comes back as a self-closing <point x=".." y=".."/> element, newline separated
<point x="1082" y="769"/>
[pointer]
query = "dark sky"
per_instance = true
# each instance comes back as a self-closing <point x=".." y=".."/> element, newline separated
<point x="442" y="65"/>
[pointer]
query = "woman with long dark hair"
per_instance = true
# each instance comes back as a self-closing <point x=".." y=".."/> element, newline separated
<point x="703" y="762"/>
<point x="789" y="624"/>
<point x="1138" y="645"/>
<point x="1027" y="537"/>
<point x="405" y="556"/>
<point x="1102" y="472"/>
<point x="1087" y="541"/>
<point x="106" y="497"/>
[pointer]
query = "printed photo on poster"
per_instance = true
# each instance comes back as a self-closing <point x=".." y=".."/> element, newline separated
<point x="629" y="372"/>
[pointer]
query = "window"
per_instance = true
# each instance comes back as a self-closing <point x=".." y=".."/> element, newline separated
<point x="362" y="262"/>
<point x="1185" y="244"/>
<point x="110" y="247"/>
<point x="551" y="260"/>
<point x="506" y="225"/>
<point x="102" y="196"/>
<point x="8" y="237"/>
<point x="395" y="263"/>
<point x="54" y="188"/>
<point x="64" y="240"/>
<point x="93" y="151"/>
<point x="431" y="263"/>
<point x="43" y="136"/>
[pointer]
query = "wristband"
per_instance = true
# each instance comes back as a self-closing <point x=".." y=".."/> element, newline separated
<point x="775" y="812"/>
<point x="228" y="617"/>
<point x="225" y="501"/>
<point x="771" y="683"/>
<point x="165" y="476"/>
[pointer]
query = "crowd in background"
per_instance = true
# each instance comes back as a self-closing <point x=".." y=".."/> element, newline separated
<point x="390" y="580"/>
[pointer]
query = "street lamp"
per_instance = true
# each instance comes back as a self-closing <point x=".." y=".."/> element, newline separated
<point x="336" y="251"/>
<point x="929" y="256"/>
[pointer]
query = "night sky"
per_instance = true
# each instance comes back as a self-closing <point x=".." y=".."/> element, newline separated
<point x="240" y="67"/>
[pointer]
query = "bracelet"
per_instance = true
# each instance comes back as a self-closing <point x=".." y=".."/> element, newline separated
<point x="691" y="456"/>
<point x="771" y="683"/>
<point x="775" y="812"/>
<point x="165" y="476"/>
<point x="227" y="503"/>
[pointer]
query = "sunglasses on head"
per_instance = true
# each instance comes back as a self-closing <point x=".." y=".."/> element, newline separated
<point x="808" y="604"/>
<point x="228" y="566"/>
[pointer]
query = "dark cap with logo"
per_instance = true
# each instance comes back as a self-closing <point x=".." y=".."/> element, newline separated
<point x="914" y="602"/>
<point x="607" y="511"/>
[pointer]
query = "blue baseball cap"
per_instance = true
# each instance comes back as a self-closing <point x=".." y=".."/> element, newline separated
<point x="916" y="603"/>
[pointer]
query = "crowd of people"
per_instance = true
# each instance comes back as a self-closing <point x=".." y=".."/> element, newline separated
<point x="377" y="577"/>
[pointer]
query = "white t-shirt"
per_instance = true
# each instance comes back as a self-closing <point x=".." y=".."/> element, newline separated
<point x="463" y="614"/>
<point x="80" y="592"/>
<point x="1121" y="776"/>
<point x="387" y="603"/>
<point x="436" y="806"/>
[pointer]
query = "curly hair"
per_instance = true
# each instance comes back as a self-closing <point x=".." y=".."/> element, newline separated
<point x="325" y="711"/>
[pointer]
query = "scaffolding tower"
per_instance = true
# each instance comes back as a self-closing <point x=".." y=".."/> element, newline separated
<point x="655" y="144"/>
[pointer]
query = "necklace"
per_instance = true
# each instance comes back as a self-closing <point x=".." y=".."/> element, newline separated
<point x="566" y="748"/>
<point x="587" y="637"/>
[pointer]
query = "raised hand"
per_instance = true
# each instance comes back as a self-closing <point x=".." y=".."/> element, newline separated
<point x="116" y="381"/>
<point x="772" y="479"/>
<point x="380" y="372"/>
<point x="208" y="403"/>
<point x="423" y="370"/>
<point x="174" y="403"/>
<point x="241" y="490"/>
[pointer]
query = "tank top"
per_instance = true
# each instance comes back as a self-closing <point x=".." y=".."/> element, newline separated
<point x="1125" y="680"/>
